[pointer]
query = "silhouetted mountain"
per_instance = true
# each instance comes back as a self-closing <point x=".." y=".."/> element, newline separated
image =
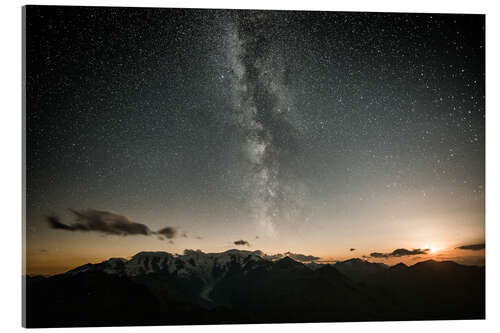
<point x="399" y="267"/>
<point x="359" y="270"/>
<point x="159" y="288"/>
<point x="434" y="290"/>
<point x="289" y="265"/>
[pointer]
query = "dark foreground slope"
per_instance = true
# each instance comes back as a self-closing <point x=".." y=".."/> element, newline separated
<point x="240" y="287"/>
<point x="434" y="290"/>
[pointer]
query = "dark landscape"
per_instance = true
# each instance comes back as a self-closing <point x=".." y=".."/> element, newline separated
<point x="158" y="288"/>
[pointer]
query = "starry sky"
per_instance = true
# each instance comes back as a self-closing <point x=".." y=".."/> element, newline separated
<point x="329" y="134"/>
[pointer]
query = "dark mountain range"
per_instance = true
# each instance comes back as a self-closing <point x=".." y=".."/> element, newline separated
<point x="159" y="288"/>
<point x="359" y="270"/>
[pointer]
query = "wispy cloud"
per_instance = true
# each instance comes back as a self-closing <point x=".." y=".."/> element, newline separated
<point x="241" y="242"/>
<point x="168" y="232"/>
<point x="301" y="257"/>
<point x="55" y="223"/>
<point x="294" y="256"/>
<point x="399" y="253"/>
<point x="473" y="247"/>
<point x="109" y="223"/>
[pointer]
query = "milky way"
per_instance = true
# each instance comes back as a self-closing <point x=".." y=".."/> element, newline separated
<point x="261" y="103"/>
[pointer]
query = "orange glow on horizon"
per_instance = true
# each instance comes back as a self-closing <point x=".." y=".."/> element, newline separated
<point x="56" y="263"/>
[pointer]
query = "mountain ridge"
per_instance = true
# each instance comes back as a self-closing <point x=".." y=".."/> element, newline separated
<point x="239" y="286"/>
<point x="145" y="262"/>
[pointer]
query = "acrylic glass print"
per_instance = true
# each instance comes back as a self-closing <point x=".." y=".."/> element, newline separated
<point x="189" y="166"/>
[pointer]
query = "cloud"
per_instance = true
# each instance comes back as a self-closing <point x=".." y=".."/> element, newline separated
<point x="294" y="256"/>
<point x="241" y="242"/>
<point x="301" y="257"/>
<point x="55" y="223"/>
<point x="399" y="253"/>
<point x="352" y="249"/>
<point x="405" y="252"/>
<point x="168" y="232"/>
<point x="273" y="257"/>
<point x="473" y="247"/>
<point x="379" y="255"/>
<point x="108" y="223"/>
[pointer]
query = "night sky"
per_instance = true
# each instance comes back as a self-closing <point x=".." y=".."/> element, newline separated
<point x="329" y="134"/>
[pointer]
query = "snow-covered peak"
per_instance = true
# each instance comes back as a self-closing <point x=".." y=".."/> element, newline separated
<point x="150" y="254"/>
<point x="148" y="262"/>
<point x="205" y="266"/>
